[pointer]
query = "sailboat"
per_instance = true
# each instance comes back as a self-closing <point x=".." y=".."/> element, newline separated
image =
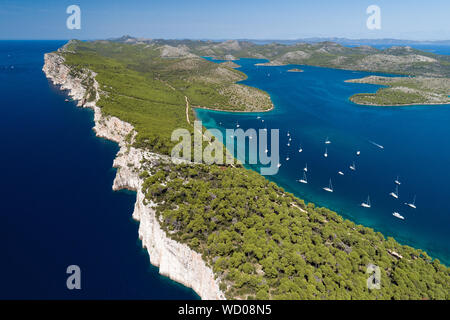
<point x="288" y="144"/>
<point x="340" y="173"/>
<point x="237" y="124"/>
<point x="288" y="134"/>
<point x="258" y="117"/>
<point x="326" y="153"/>
<point x="395" y="193"/>
<point x="279" y="165"/>
<point x="267" y="150"/>
<point x="358" y="153"/>
<point x="413" y="204"/>
<point x="397" y="181"/>
<point x="398" y="215"/>
<point x="304" y="180"/>
<point x="305" y="168"/>
<point x="367" y="203"/>
<point x="300" y="149"/>
<point x="329" y="188"/>
<point x="287" y="158"/>
<point x="353" y="166"/>
<point x="327" y="141"/>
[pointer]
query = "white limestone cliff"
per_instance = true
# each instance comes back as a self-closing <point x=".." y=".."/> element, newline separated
<point x="175" y="260"/>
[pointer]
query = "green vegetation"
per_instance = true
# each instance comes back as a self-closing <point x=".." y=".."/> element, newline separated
<point x="401" y="60"/>
<point x="404" y="91"/>
<point x="143" y="88"/>
<point x="265" y="243"/>
<point x="394" y="60"/>
<point x="261" y="241"/>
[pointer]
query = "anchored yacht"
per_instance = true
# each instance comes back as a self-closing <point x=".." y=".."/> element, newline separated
<point x="413" y="204"/>
<point x="367" y="203"/>
<point x="329" y="188"/>
<point x="395" y="193"/>
<point x="304" y="180"/>
<point x="398" y="215"/>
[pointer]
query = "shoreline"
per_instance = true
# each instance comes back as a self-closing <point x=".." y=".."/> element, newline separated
<point x="399" y="105"/>
<point x="234" y="111"/>
<point x="174" y="260"/>
<point x="122" y="181"/>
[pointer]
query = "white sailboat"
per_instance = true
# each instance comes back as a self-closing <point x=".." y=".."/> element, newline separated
<point x="267" y="150"/>
<point x="398" y="215"/>
<point x="287" y="158"/>
<point x="288" y="134"/>
<point x="237" y="124"/>
<point x="327" y="141"/>
<point x="279" y="165"/>
<point x="367" y="203"/>
<point x="340" y="173"/>
<point x="305" y="168"/>
<point x="288" y="144"/>
<point x="413" y="204"/>
<point x="258" y="117"/>
<point x="397" y="181"/>
<point x="353" y="166"/>
<point x="304" y="180"/>
<point x="329" y="188"/>
<point x="395" y="193"/>
<point x="300" y="149"/>
<point x="326" y="153"/>
<point x="358" y="153"/>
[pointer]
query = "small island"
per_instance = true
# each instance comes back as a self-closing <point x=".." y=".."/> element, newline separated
<point x="404" y="91"/>
<point x="270" y="64"/>
<point x="295" y="70"/>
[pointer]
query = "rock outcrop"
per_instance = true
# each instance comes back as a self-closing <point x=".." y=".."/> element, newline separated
<point x="175" y="260"/>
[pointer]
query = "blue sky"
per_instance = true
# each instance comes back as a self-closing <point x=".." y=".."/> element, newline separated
<point x="229" y="19"/>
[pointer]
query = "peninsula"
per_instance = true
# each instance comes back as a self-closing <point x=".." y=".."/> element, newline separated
<point x="224" y="231"/>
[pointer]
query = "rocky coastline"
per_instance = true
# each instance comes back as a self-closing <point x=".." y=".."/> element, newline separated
<point x="175" y="260"/>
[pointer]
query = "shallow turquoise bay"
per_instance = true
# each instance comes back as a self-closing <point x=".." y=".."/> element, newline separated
<point x="314" y="105"/>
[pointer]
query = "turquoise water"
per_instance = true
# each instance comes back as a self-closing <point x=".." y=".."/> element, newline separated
<point x="314" y="105"/>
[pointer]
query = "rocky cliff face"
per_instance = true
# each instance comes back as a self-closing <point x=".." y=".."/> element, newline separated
<point x="175" y="260"/>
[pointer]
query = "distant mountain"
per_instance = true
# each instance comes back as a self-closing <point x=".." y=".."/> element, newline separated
<point x="352" y="42"/>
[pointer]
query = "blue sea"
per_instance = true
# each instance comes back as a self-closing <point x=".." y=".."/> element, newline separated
<point x="314" y="105"/>
<point x="57" y="207"/>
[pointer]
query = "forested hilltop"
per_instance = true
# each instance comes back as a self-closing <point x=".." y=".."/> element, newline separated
<point x="398" y="60"/>
<point x="261" y="241"/>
